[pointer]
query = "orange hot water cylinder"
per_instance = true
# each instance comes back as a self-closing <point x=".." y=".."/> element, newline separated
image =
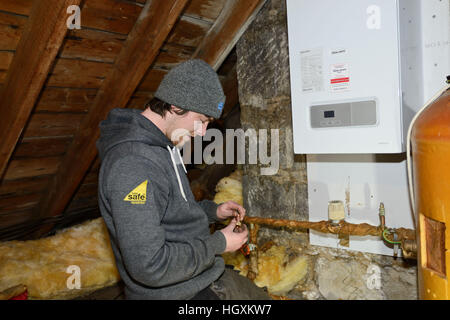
<point x="430" y="145"/>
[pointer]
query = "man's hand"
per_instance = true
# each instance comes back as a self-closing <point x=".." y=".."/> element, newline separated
<point x="231" y="209"/>
<point x="235" y="240"/>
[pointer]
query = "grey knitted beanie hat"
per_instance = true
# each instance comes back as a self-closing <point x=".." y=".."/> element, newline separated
<point x="193" y="85"/>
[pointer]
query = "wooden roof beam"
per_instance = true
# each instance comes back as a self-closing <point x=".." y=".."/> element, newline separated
<point x="42" y="37"/>
<point x="232" y="22"/>
<point x="138" y="53"/>
<point x="230" y="88"/>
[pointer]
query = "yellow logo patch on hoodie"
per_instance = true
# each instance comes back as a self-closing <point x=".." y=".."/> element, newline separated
<point x="138" y="195"/>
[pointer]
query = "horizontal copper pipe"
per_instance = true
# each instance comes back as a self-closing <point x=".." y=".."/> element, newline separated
<point x="362" y="229"/>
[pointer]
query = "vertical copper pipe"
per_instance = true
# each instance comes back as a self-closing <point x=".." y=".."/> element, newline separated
<point x="253" y="240"/>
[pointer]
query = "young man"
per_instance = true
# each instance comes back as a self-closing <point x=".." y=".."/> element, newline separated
<point x="159" y="234"/>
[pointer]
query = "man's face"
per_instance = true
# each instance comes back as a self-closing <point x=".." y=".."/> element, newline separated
<point x="183" y="127"/>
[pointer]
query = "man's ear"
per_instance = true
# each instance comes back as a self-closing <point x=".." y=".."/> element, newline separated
<point x="178" y="111"/>
<point x="174" y="109"/>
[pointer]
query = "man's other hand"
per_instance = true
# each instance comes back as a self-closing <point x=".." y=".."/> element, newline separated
<point x="230" y="209"/>
<point x="235" y="240"/>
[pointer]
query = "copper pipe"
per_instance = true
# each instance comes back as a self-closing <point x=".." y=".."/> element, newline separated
<point x="381" y="212"/>
<point x="406" y="236"/>
<point x="343" y="227"/>
<point x="253" y="265"/>
<point x="409" y="248"/>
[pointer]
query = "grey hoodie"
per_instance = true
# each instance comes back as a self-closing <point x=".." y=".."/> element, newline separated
<point x="159" y="233"/>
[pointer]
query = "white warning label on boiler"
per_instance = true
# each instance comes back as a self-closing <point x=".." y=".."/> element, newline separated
<point x="339" y="51"/>
<point x="339" y="77"/>
<point x="312" y="70"/>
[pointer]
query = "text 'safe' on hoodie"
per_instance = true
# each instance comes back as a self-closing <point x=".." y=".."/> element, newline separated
<point x="159" y="234"/>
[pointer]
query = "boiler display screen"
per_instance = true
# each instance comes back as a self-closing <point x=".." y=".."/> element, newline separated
<point x="328" y="114"/>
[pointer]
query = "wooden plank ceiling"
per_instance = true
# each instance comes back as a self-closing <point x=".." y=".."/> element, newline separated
<point x="58" y="84"/>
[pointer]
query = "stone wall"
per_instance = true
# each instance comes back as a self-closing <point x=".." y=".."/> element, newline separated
<point x="336" y="274"/>
<point x="264" y="95"/>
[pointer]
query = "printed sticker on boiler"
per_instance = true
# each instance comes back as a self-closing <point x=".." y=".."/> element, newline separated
<point x="339" y="77"/>
<point x="311" y="61"/>
<point x="338" y="52"/>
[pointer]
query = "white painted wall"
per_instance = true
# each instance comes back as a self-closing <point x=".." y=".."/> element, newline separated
<point x="370" y="179"/>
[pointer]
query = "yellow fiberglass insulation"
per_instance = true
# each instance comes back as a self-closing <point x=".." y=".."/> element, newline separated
<point x="276" y="270"/>
<point x="230" y="188"/>
<point x="279" y="273"/>
<point x="49" y="267"/>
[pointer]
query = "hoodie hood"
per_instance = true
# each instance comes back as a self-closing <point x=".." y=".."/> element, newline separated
<point x="129" y="125"/>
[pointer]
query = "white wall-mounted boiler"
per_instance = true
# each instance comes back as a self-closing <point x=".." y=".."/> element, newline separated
<point x="360" y="70"/>
<point x="353" y="65"/>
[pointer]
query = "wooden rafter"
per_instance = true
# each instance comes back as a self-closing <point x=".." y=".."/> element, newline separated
<point x="230" y="88"/>
<point x="41" y="39"/>
<point x="234" y="19"/>
<point x="138" y="53"/>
